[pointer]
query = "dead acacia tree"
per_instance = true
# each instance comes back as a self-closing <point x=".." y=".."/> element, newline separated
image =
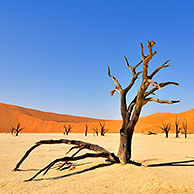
<point x="177" y="128"/>
<point x="130" y="115"/>
<point x="67" y="129"/>
<point x="86" y="129"/>
<point x="184" y="124"/>
<point x="12" y="130"/>
<point x="16" y="130"/>
<point x="103" y="130"/>
<point x="165" y="128"/>
<point x="95" y="129"/>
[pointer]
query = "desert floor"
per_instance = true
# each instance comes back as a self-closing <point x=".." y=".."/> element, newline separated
<point x="171" y="170"/>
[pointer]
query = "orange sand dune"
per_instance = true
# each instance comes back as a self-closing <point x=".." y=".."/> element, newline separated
<point x="36" y="121"/>
<point x="152" y="122"/>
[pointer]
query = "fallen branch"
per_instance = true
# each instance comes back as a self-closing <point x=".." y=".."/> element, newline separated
<point x="80" y="145"/>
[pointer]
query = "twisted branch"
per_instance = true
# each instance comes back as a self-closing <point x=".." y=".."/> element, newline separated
<point x="158" y="69"/>
<point x="146" y="59"/>
<point x="161" y="85"/>
<point x="80" y="145"/>
<point x="135" y="75"/>
<point x="118" y="86"/>
<point x="160" y="101"/>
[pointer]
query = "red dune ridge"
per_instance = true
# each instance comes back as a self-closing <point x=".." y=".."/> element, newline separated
<point x="36" y="121"/>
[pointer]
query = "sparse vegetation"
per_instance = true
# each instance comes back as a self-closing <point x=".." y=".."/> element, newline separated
<point x="16" y="130"/>
<point x="95" y="129"/>
<point x="177" y="128"/>
<point x="151" y="133"/>
<point x="67" y="129"/>
<point x="103" y="130"/>
<point x="86" y="129"/>
<point x="184" y="125"/>
<point x="165" y="128"/>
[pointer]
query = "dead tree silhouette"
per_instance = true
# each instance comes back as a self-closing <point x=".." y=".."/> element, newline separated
<point x="103" y="130"/>
<point x="95" y="129"/>
<point x="185" y="128"/>
<point x="67" y="129"/>
<point x="86" y="129"/>
<point x="16" y="130"/>
<point x="165" y="128"/>
<point x="177" y="128"/>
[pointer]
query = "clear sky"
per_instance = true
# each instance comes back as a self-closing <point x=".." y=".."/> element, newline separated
<point x="53" y="54"/>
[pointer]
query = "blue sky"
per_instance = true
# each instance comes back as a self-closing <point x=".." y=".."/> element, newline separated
<point x="53" y="54"/>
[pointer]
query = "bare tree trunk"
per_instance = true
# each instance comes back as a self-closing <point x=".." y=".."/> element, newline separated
<point x="16" y="133"/>
<point x="124" y="152"/>
<point x="12" y="131"/>
<point x="166" y="134"/>
<point x="86" y="129"/>
<point x="184" y="124"/>
<point x="178" y="129"/>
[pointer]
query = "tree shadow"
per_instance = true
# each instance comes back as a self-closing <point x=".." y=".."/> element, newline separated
<point x="77" y="172"/>
<point x="178" y="163"/>
<point x="135" y="163"/>
<point x="34" y="169"/>
<point x="86" y="170"/>
<point x="26" y="170"/>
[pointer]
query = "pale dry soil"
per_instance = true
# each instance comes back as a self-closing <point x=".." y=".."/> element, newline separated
<point x="171" y="167"/>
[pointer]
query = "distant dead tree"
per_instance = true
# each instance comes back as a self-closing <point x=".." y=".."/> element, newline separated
<point x="16" y="130"/>
<point x="165" y="128"/>
<point x="184" y="124"/>
<point x="86" y="129"/>
<point x="177" y="128"/>
<point x="103" y="130"/>
<point x="95" y="129"/>
<point x="12" y="130"/>
<point x="151" y="133"/>
<point x="67" y="129"/>
<point x="130" y="115"/>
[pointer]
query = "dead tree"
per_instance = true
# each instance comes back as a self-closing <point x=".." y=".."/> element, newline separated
<point x="130" y="115"/>
<point x="177" y="128"/>
<point x="67" y="129"/>
<point x="86" y="129"/>
<point x="16" y="130"/>
<point x="151" y="133"/>
<point x="103" y="130"/>
<point x="12" y="130"/>
<point x="165" y="128"/>
<point x="95" y="129"/>
<point x="184" y="124"/>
